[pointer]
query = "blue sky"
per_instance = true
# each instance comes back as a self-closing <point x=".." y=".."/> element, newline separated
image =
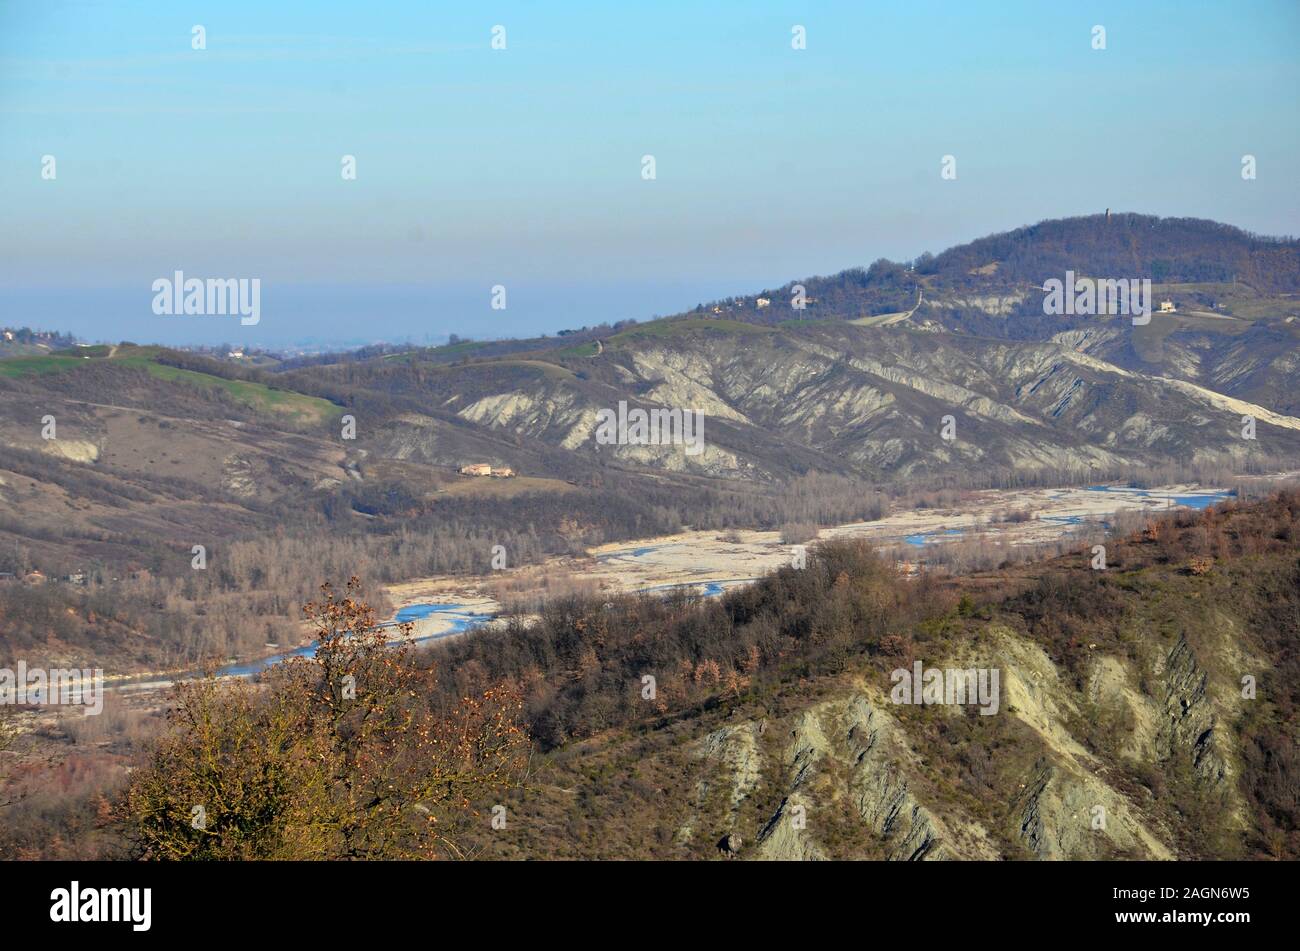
<point x="522" y="166"/>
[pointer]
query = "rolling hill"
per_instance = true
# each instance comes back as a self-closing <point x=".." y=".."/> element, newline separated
<point x="805" y="411"/>
<point x="1142" y="712"/>
<point x="961" y="334"/>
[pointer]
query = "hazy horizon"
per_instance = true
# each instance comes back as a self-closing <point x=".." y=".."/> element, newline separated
<point x="522" y="166"/>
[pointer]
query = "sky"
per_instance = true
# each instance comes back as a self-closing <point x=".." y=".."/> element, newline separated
<point x="523" y="167"/>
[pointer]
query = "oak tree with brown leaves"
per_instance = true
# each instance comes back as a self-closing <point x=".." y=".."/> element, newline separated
<point x="348" y="754"/>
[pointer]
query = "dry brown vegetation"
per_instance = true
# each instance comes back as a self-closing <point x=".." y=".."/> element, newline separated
<point x="577" y="674"/>
<point x="351" y="755"/>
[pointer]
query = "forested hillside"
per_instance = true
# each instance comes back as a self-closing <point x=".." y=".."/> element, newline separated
<point x="1159" y="693"/>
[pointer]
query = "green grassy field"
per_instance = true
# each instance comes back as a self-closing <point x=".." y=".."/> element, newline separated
<point x="262" y="398"/>
<point x="797" y="323"/>
<point x="679" y="328"/>
<point x="306" y="409"/>
<point x="15" y="367"/>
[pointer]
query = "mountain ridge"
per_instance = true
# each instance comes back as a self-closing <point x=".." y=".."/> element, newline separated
<point x="159" y="450"/>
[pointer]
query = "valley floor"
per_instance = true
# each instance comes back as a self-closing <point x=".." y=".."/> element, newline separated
<point x="717" y="560"/>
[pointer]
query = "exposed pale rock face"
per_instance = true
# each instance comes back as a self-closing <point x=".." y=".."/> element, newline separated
<point x="686" y="382"/>
<point x="1084" y="339"/>
<point x="580" y="432"/>
<point x="711" y="459"/>
<point x="557" y="414"/>
<point x="76" y="450"/>
<point x="844" y="775"/>
<point x="237" y="476"/>
<point x="996" y="304"/>
<point x="854" y="738"/>
<point x="1066" y="814"/>
<point x="735" y="748"/>
<point x="870" y="402"/>
<point x="508" y="410"/>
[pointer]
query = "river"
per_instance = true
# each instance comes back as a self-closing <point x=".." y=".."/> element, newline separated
<point x="711" y="563"/>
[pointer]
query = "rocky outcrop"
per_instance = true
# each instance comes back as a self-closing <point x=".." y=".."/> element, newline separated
<point x="1067" y="813"/>
<point x="865" y="400"/>
<point x="854" y="738"/>
<point x="74" y="450"/>
<point x="850" y="776"/>
<point x="881" y="791"/>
